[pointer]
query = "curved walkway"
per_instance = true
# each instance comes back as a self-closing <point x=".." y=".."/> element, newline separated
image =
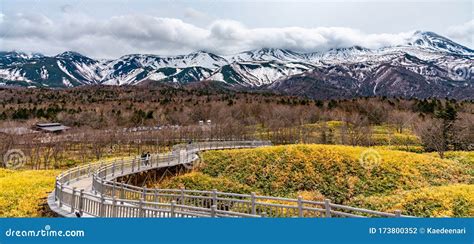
<point x="92" y="191"/>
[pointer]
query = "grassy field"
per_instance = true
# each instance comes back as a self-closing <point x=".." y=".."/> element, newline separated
<point x="22" y="191"/>
<point x="377" y="178"/>
<point x="419" y="184"/>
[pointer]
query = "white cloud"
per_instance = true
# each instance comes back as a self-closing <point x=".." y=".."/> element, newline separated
<point x="463" y="33"/>
<point x="126" y="34"/>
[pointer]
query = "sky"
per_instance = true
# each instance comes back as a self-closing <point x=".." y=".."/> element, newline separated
<point x="110" y="29"/>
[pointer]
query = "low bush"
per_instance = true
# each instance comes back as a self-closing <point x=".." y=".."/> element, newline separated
<point x="453" y="200"/>
<point x="22" y="192"/>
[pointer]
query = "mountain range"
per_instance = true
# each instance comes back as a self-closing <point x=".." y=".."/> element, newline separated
<point x="427" y="65"/>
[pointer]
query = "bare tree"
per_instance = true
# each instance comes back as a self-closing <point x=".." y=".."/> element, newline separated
<point x="431" y="133"/>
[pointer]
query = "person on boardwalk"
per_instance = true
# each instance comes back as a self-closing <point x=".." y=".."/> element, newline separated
<point x="147" y="158"/>
<point x="143" y="158"/>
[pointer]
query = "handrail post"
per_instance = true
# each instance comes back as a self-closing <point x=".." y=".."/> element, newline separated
<point x="102" y="206"/>
<point x="182" y="196"/>
<point x="213" y="211"/>
<point x="300" y="206"/>
<point x="327" y="205"/>
<point x="141" y="211"/>
<point x="114" y="207"/>
<point x="133" y="165"/>
<point x="122" y="192"/>
<point x="113" y="169"/>
<point x="73" y="199"/>
<point x="113" y="188"/>
<point x="56" y="189"/>
<point x="101" y="186"/>
<point x="122" y="166"/>
<point x="253" y="201"/>
<point x="172" y="209"/>
<point x="81" y="201"/>
<point x="60" y="195"/>
<point x="214" y="197"/>
<point x="144" y="193"/>
<point x="398" y="213"/>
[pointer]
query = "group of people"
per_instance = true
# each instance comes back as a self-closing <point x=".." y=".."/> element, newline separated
<point x="146" y="158"/>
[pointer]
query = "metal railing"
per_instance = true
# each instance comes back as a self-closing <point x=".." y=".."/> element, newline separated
<point x="110" y="198"/>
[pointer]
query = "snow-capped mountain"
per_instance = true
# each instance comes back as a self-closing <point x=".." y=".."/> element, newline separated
<point x="267" y="54"/>
<point x="427" y="65"/>
<point x="132" y="69"/>
<point x="435" y="42"/>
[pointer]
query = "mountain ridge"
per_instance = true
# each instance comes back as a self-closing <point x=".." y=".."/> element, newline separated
<point x="435" y="66"/>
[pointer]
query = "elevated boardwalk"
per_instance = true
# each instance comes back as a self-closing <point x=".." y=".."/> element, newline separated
<point x="92" y="191"/>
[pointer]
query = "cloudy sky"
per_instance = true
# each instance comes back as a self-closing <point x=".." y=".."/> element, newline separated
<point x="109" y="29"/>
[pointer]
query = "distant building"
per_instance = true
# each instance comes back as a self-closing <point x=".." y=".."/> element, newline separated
<point x="51" y="127"/>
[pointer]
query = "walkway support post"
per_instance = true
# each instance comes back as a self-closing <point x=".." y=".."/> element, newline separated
<point x="398" y="213"/>
<point x="253" y="202"/>
<point x="327" y="206"/>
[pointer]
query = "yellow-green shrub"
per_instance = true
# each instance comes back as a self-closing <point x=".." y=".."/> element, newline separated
<point x="334" y="171"/>
<point x="21" y="191"/>
<point x="453" y="200"/>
